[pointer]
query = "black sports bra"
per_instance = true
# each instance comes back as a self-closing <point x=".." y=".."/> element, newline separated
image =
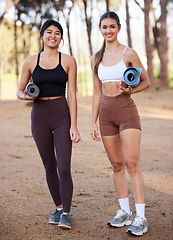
<point x="51" y="82"/>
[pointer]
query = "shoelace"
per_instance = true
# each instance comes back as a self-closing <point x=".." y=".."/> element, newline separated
<point x="66" y="217"/>
<point x="52" y="212"/>
<point x="138" y="221"/>
<point x="119" y="213"/>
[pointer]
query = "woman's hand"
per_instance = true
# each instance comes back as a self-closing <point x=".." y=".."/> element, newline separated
<point x="24" y="96"/>
<point x="74" y="135"/>
<point x="124" y="89"/>
<point x="95" y="135"/>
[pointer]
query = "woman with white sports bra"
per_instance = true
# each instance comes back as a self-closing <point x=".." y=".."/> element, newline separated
<point x="119" y="121"/>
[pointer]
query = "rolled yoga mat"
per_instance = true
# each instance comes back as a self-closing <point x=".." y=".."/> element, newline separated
<point x="32" y="90"/>
<point x="131" y="76"/>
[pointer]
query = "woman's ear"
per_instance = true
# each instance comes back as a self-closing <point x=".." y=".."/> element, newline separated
<point x="119" y="28"/>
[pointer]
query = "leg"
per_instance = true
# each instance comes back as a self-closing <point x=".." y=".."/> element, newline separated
<point x="63" y="147"/>
<point x="113" y="149"/>
<point x="44" y="141"/>
<point x="130" y="139"/>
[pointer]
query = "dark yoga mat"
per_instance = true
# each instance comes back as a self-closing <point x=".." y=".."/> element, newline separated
<point x="32" y="90"/>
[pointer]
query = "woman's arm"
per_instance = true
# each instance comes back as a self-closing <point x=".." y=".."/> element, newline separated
<point x="72" y="100"/>
<point x="25" y="76"/>
<point x="131" y="58"/>
<point x="97" y="94"/>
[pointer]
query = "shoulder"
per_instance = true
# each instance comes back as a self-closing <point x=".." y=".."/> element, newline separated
<point x="68" y="58"/>
<point x="93" y="57"/>
<point x="130" y="52"/>
<point x="130" y="56"/>
<point x="31" y="59"/>
<point x="30" y="63"/>
<point x="92" y="60"/>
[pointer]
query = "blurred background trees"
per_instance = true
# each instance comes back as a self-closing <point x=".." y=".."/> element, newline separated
<point x="20" y="22"/>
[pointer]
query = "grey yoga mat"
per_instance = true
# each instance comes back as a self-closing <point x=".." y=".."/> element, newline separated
<point x="32" y="90"/>
<point x="131" y="76"/>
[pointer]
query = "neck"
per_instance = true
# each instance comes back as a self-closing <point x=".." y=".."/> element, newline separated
<point x="112" y="47"/>
<point x="50" y="51"/>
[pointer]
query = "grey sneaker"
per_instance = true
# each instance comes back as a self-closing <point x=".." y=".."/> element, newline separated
<point x="121" y="219"/>
<point x="55" y="217"/>
<point x="138" y="227"/>
<point x="64" y="221"/>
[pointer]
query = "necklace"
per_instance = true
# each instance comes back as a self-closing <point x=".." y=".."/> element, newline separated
<point x="113" y="49"/>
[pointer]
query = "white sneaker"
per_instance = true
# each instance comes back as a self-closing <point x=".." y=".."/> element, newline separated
<point x="138" y="227"/>
<point x="121" y="219"/>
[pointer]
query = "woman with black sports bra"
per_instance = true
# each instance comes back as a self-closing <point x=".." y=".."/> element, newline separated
<point x="119" y="120"/>
<point x="53" y="118"/>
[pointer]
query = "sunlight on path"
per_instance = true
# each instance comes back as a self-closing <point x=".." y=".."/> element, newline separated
<point x="156" y="180"/>
<point x="156" y="113"/>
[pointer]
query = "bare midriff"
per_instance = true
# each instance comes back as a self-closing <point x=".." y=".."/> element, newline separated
<point x="111" y="89"/>
<point x="49" y="98"/>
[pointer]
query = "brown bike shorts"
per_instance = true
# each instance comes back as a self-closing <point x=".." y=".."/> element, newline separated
<point x="118" y="113"/>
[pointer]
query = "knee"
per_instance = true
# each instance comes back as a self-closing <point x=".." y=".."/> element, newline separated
<point x="50" y="168"/>
<point x="64" y="173"/>
<point x="132" y="167"/>
<point x="117" y="167"/>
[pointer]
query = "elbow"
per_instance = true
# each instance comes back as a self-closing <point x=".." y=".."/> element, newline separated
<point x="17" y="94"/>
<point x="148" y="84"/>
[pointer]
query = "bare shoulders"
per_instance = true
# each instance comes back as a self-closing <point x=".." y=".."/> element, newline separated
<point x="130" y="56"/>
<point x="92" y="60"/>
<point x="93" y="57"/>
<point x="67" y="57"/>
<point x="130" y="52"/>
<point x="68" y="60"/>
<point x="31" y="60"/>
<point x="30" y="63"/>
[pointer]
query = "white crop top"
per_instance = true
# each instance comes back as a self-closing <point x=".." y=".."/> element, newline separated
<point x="112" y="73"/>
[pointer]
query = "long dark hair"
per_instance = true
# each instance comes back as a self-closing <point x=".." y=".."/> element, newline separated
<point x="47" y="24"/>
<point x="99" y="54"/>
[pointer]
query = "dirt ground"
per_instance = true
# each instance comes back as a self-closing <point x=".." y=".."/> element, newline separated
<point x="25" y="202"/>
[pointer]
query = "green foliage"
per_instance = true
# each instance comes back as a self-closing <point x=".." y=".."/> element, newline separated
<point x="156" y="71"/>
<point x="84" y="76"/>
<point x="170" y="74"/>
<point x="85" y="83"/>
<point x="170" y="77"/>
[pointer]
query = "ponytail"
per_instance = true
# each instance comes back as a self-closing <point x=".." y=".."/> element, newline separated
<point x="98" y="57"/>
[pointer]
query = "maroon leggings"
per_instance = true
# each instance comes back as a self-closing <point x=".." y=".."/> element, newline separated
<point x="50" y="124"/>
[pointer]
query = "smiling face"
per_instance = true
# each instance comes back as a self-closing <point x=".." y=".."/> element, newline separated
<point x="109" y="29"/>
<point x="52" y="36"/>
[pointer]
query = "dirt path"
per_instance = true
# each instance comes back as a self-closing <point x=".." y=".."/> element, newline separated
<point x="25" y="202"/>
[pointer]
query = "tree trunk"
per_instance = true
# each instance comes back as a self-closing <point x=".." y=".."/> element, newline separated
<point x="128" y="24"/>
<point x="29" y="41"/>
<point x="16" y="51"/>
<point x="163" y="47"/>
<point x="148" y="45"/>
<point x="24" y="40"/>
<point x="88" y="25"/>
<point x="107" y="5"/>
<point x="69" y="38"/>
<point x="9" y="3"/>
<point x="68" y="29"/>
